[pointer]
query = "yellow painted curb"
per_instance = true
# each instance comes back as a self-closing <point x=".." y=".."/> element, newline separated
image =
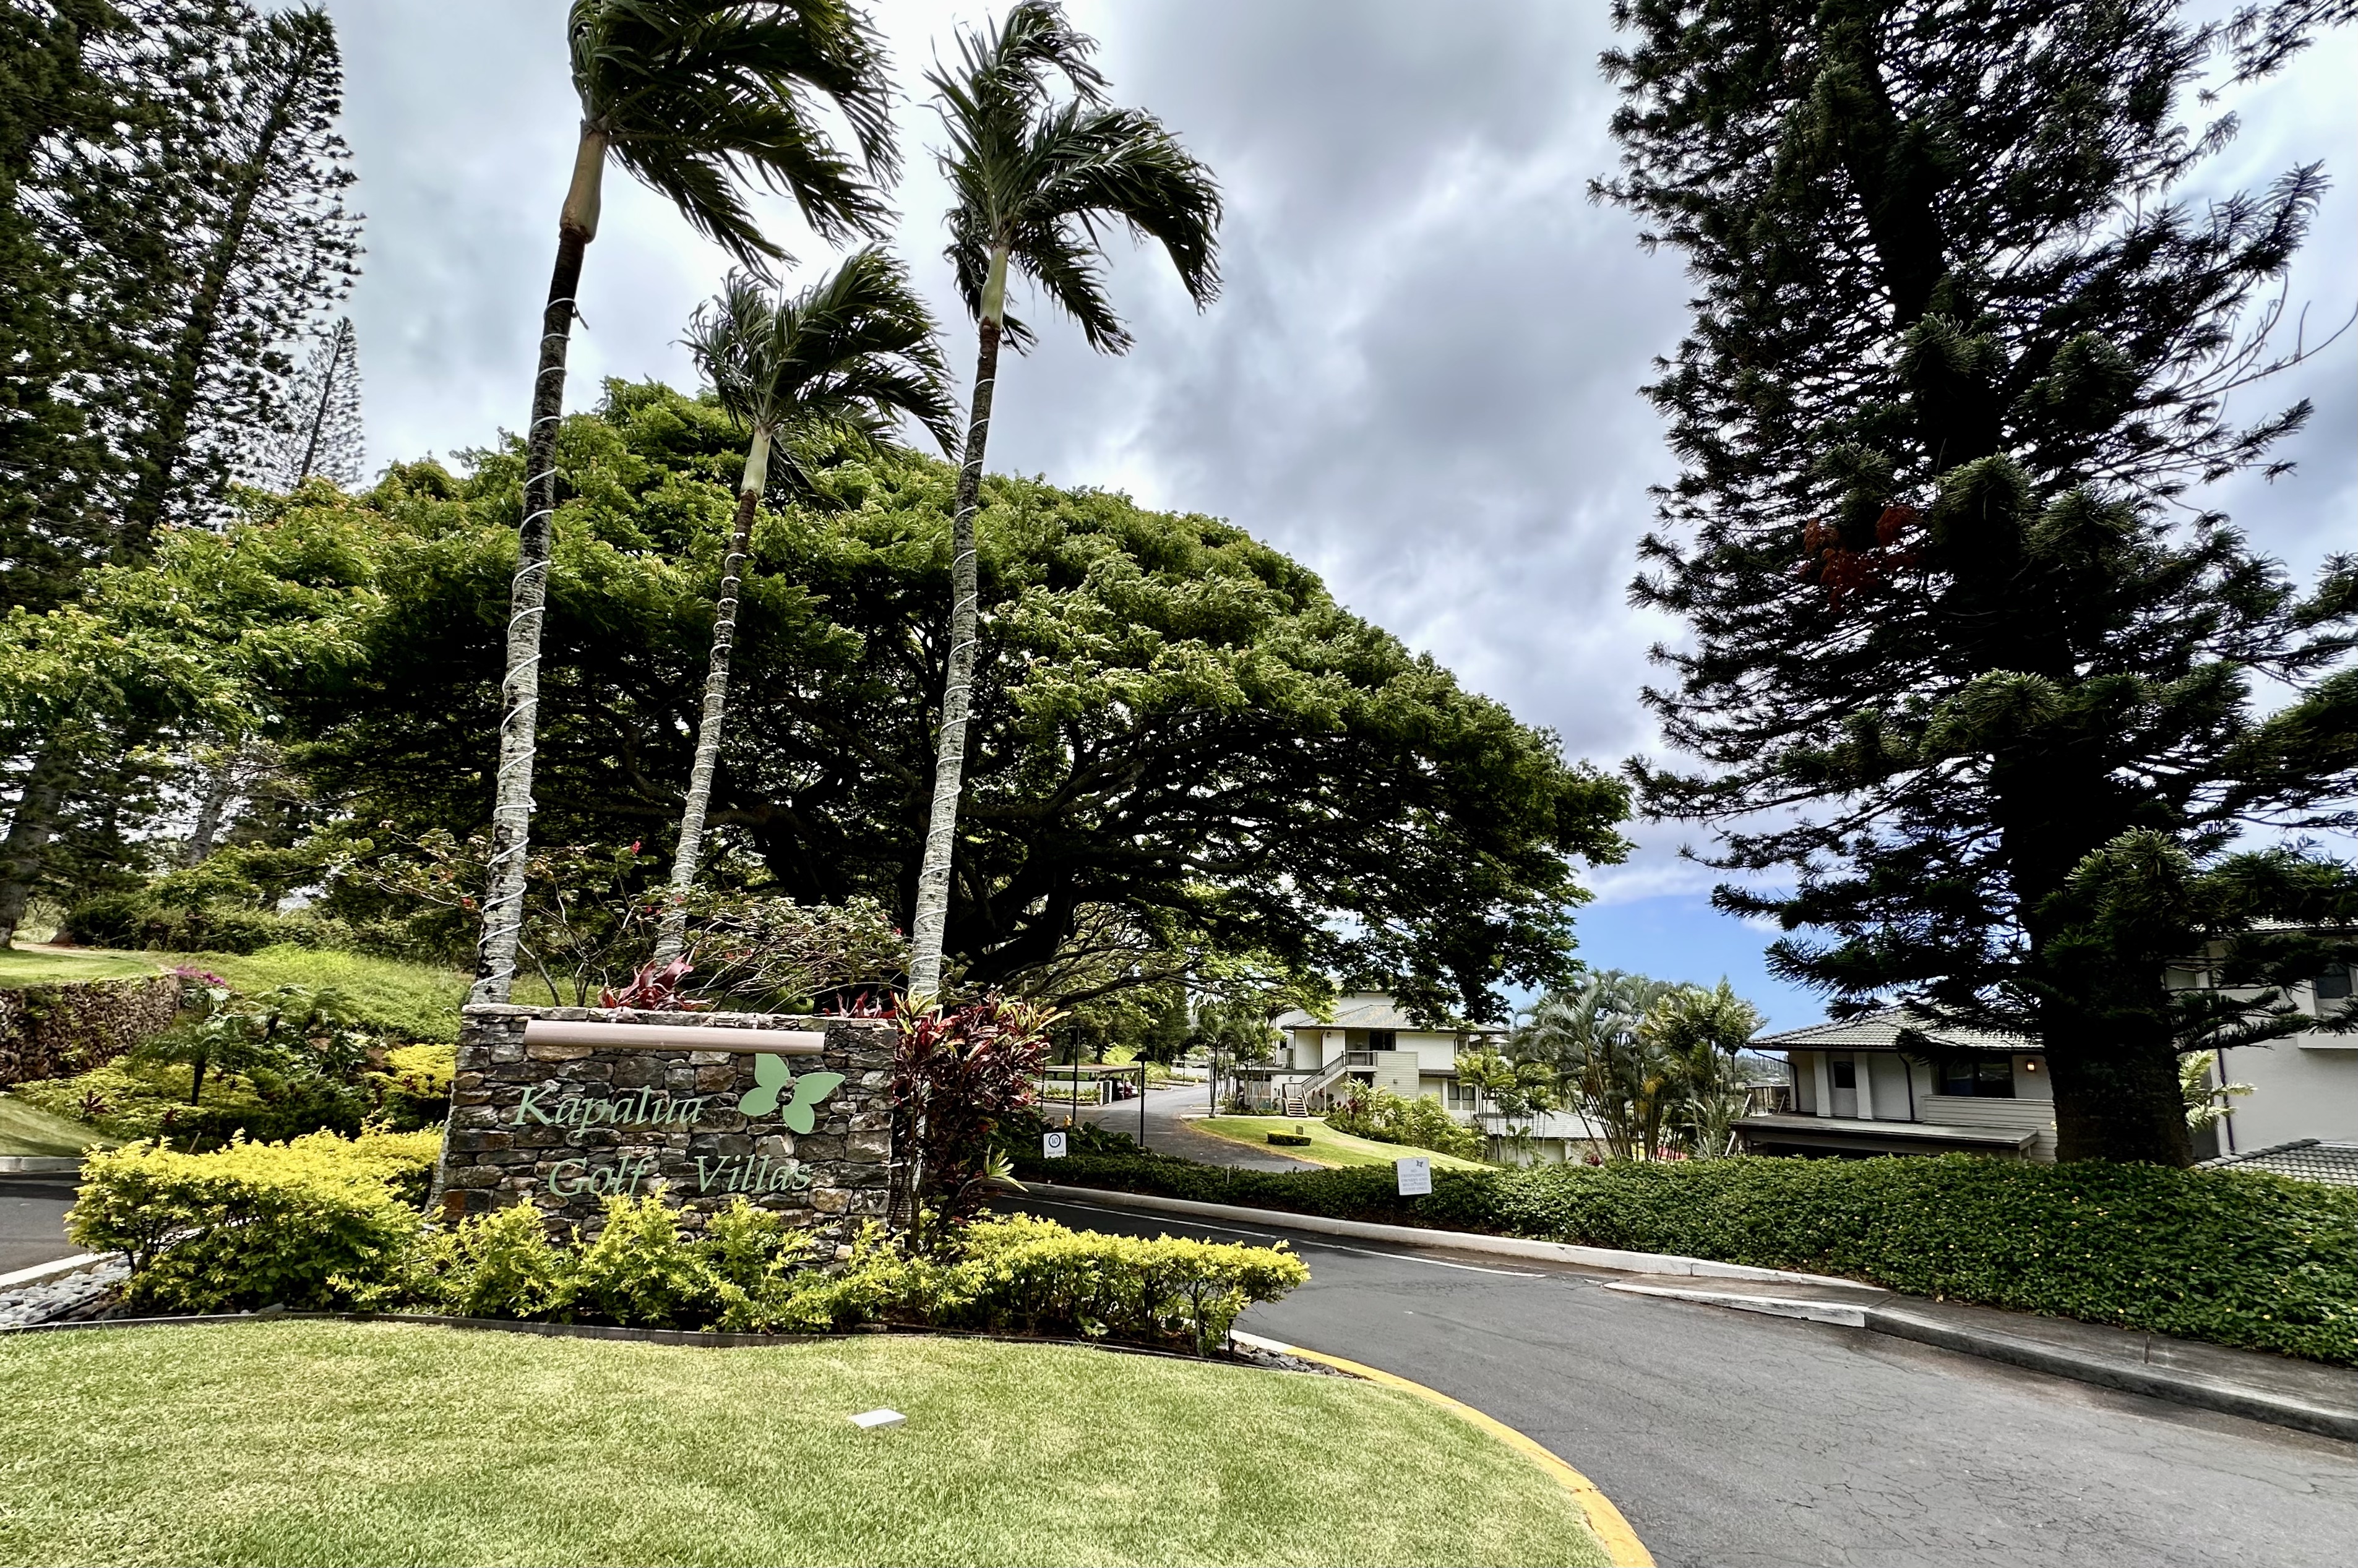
<point x="1622" y="1547"/>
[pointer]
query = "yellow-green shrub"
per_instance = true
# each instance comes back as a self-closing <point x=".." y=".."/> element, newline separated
<point x="749" y="1272"/>
<point x="1035" y="1276"/>
<point x="309" y="1223"/>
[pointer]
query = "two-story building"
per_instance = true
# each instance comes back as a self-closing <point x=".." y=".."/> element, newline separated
<point x="1369" y="1040"/>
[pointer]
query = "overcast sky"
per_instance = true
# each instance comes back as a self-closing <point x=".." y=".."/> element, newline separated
<point x="1421" y="379"/>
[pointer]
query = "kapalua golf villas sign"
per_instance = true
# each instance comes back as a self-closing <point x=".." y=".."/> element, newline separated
<point x="776" y="1091"/>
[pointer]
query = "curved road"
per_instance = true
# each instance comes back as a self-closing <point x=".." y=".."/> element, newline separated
<point x="1730" y="1438"/>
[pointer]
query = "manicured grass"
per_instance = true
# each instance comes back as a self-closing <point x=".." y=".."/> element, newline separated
<point x="407" y="999"/>
<point x="28" y="966"/>
<point x="318" y="1443"/>
<point x="1327" y="1147"/>
<point x="27" y="1130"/>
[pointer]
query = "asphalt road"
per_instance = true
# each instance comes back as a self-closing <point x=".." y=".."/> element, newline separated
<point x="33" y="1219"/>
<point x="1168" y="1134"/>
<point x="1730" y="1438"/>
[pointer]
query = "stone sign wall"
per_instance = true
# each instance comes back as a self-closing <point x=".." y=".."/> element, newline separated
<point x="562" y="1123"/>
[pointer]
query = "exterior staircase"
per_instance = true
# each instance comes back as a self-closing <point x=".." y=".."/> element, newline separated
<point x="1312" y="1093"/>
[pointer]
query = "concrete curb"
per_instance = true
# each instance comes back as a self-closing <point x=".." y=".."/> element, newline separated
<point x="2157" y="1382"/>
<point x="1898" y="1322"/>
<point x="56" y="1268"/>
<point x="39" y="1165"/>
<point x="1611" y="1259"/>
<point x="1622" y="1547"/>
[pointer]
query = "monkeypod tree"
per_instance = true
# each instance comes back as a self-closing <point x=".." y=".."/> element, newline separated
<point x="1035" y="180"/>
<point x="688" y="95"/>
<point x="1971" y="661"/>
<point x="848" y="356"/>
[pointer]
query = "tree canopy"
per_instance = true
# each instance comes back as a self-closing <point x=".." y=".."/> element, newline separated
<point x="1175" y="725"/>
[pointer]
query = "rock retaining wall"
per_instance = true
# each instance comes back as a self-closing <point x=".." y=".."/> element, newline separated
<point x="562" y="1126"/>
<point x="51" y="1031"/>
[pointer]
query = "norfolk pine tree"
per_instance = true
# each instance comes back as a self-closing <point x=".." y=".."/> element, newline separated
<point x="1967" y="649"/>
<point x="1035" y="182"/>
<point x="688" y="95"/>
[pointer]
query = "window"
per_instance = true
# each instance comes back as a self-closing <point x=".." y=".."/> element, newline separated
<point x="1382" y="1039"/>
<point x="2333" y="985"/>
<point x="1979" y="1077"/>
<point x="1845" y="1072"/>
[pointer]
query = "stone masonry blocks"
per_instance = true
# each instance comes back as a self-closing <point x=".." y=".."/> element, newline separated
<point x="499" y="1151"/>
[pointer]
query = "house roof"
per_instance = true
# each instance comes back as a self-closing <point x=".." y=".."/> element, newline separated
<point x="1357" y="1010"/>
<point x="2310" y="1159"/>
<point x="1882" y="1032"/>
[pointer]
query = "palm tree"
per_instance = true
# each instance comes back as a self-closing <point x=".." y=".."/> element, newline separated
<point x="689" y="96"/>
<point x="1036" y="181"/>
<point x="1609" y="1066"/>
<point x="846" y="356"/>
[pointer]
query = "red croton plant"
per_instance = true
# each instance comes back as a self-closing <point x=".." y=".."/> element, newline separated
<point x="958" y="1071"/>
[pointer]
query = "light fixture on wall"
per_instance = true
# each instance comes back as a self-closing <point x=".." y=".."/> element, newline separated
<point x="2030" y="1066"/>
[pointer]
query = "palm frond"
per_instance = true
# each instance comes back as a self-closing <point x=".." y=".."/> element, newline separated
<point x="1044" y="179"/>
<point x="697" y="96"/>
<point x="850" y="353"/>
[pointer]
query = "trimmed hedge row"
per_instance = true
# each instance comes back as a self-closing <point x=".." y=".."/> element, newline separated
<point x="330" y="1222"/>
<point x="2236" y="1258"/>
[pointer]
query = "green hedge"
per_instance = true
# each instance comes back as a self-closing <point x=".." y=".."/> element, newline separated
<point x="301" y="1224"/>
<point x="328" y="1222"/>
<point x="2232" y="1257"/>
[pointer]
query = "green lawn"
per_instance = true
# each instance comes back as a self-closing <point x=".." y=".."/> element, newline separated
<point x="27" y="966"/>
<point x="409" y="999"/>
<point x="322" y="1442"/>
<point x="1328" y="1147"/>
<point x="27" y="1130"/>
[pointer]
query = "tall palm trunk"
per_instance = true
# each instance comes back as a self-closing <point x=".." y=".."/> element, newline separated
<point x="673" y="936"/>
<point x="933" y="909"/>
<point x="512" y="802"/>
<point x="30" y="831"/>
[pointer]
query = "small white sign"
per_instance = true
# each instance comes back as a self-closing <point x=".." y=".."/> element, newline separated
<point x="1052" y="1146"/>
<point x="868" y="1420"/>
<point x="1415" y="1177"/>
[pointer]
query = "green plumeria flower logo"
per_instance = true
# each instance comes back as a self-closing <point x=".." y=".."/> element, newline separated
<point x="770" y="1079"/>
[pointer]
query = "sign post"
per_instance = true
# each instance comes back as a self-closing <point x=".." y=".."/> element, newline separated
<point x="1415" y="1177"/>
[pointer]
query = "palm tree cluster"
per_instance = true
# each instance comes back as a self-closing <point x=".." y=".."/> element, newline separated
<point x="1652" y="1064"/>
<point x="695" y="98"/>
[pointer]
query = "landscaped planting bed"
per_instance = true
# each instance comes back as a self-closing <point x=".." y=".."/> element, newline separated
<point x="319" y="1442"/>
<point x="2236" y="1258"/>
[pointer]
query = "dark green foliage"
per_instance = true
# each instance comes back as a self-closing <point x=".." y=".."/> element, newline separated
<point x="1420" y="1124"/>
<point x="1173" y="722"/>
<point x="1964" y="641"/>
<point x="2239" y="1258"/>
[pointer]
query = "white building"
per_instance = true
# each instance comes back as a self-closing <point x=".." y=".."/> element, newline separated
<point x="2304" y="1087"/>
<point x="1369" y="1040"/>
<point x="1857" y="1090"/>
